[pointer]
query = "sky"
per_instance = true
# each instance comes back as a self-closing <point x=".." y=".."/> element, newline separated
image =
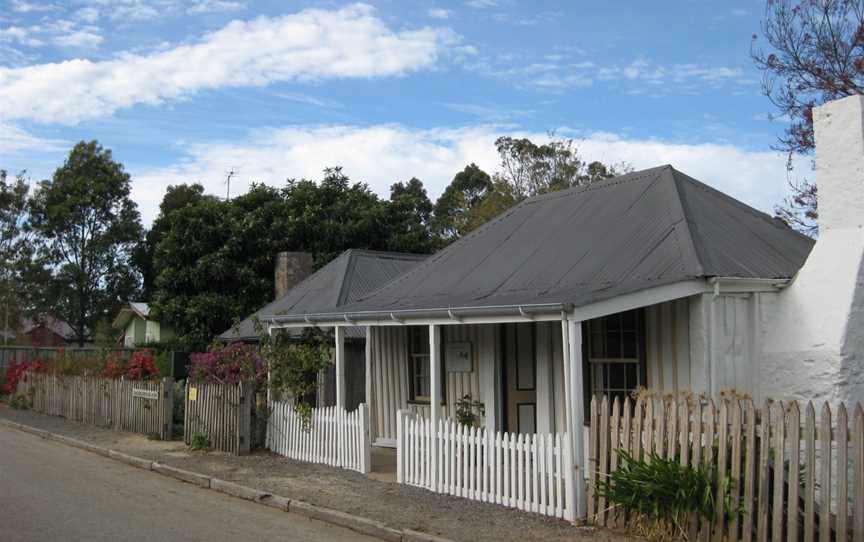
<point x="188" y="91"/>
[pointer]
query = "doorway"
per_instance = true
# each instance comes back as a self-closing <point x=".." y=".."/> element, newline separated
<point x="520" y="378"/>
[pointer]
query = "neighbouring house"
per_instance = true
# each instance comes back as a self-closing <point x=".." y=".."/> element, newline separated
<point x="648" y="279"/>
<point x="44" y="330"/>
<point x="348" y="277"/>
<point x="139" y="328"/>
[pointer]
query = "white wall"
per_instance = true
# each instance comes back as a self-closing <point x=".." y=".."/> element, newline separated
<point x="667" y="345"/>
<point x="390" y="373"/>
<point x="813" y="336"/>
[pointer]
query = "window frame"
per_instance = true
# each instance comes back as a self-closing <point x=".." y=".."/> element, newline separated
<point x="590" y="364"/>
<point x="423" y="353"/>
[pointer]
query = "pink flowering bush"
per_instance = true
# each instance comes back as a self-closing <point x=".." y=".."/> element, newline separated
<point x="142" y="366"/>
<point x="228" y="365"/>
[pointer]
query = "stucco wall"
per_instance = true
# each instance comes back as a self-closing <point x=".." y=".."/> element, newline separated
<point x="813" y="331"/>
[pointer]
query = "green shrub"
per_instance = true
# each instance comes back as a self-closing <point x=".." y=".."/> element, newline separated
<point x="660" y="495"/>
<point x="163" y="362"/>
<point x="199" y="441"/>
<point x="19" y="402"/>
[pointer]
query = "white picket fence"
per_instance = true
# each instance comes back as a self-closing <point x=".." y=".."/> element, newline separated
<point x="528" y="472"/>
<point x="333" y="436"/>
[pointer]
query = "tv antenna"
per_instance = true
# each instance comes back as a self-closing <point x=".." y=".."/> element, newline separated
<point x="228" y="176"/>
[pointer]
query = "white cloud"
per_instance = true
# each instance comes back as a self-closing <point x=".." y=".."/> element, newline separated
<point x="79" y="38"/>
<point x="212" y="6"/>
<point x="14" y="140"/>
<point x="481" y="4"/>
<point x="26" y="7"/>
<point x="18" y="34"/>
<point x="382" y="154"/>
<point x="134" y="10"/>
<point x="88" y="14"/>
<point x="439" y="13"/>
<point x="311" y="45"/>
<point x="59" y="32"/>
<point x="561" y="72"/>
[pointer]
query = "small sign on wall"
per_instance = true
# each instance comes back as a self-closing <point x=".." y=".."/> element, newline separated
<point x="193" y="394"/>
<point x="457" y="357"/>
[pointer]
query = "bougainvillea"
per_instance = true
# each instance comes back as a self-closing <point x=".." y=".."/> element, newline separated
<point x="228" y="365"/>
<point x="114" y="368"/>
<point x="141" y="366"/>
<point x="16" y="371"/>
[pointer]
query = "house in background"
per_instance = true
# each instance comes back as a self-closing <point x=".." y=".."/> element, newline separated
<point x="44" y="330"/>
<point x="138" y="328"/>
<point x="648" y="279"/>
<point x="347" y="278"/>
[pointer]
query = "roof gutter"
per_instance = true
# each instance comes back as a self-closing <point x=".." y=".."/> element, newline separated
<point x="526" y="311"/>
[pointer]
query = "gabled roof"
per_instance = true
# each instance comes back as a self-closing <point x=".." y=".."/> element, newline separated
<point x="350" y="276"/>
<point x="55" y="325"/>
<point x="586" y="244"/>
<point x="134" y="308"/>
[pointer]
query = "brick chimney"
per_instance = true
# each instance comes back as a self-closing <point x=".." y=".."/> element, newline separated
<point x="814" y="330"/>
<point x="291" y="268"/>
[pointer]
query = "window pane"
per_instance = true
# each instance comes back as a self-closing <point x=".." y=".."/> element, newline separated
<point x="618" y="376"/>
<point x="419" y="340"/>
<point x="613" y="345"/>
<point x="632" y="375"/>
<point x="629" y="320"/>
<point x="597" y="350"/>
<point x="613" y="323"/>
<point x="631" y="344"/>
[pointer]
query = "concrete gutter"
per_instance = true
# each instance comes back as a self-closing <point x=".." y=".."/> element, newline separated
<point x="359" y="524"/>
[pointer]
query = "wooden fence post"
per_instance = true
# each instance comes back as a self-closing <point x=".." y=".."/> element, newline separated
<point x="366" y="440"/>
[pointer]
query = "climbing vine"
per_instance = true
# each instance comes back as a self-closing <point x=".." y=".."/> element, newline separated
<point x="294" y="363"/>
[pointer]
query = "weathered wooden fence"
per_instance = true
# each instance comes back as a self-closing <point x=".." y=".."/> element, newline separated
<point x="333" y="436"/>
<point x="222" y="413"/>
<point x="528" y="472"/>
<point x="123" y="405"/>
<point x="794" y="476"/>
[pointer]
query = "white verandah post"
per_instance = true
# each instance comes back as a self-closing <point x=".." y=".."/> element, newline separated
<point x="434" y="401"/>
<point x="340" y="367"/>
<point x="574" y="405"/>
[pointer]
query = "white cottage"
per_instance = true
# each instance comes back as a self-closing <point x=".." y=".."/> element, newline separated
<point x="649" y="279"/>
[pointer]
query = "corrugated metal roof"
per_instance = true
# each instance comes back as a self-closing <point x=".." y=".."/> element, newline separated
<point x="348" y="277"/>
<point x="585" y="244"/>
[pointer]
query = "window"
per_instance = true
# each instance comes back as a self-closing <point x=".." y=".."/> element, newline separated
<point x="615" y="353"/>
<point x="420" y="383"/>
<point x="418" y="352"/>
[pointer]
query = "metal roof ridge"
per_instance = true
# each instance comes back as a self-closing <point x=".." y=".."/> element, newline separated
<point x="687" y="235"/>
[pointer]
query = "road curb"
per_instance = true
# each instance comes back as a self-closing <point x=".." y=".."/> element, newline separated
<point x="237" y="490"/>
<point x="409" y="535"/>
<point x="355" y="523"/>
<point x="358" y="524"/>
<point x="130" y="460"/>
<point x="183" y="475"/>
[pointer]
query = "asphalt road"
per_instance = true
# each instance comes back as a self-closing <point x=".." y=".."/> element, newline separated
<point x="49" y="491"/>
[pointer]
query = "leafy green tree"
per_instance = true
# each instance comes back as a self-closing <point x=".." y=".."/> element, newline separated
<point x="19" y="268"/>
<point x="192" y="289"/>
<point x="213" y="259"/>
<point x="454" y="210"/>
<point x="814" y="54"/>
<point x="408" y="216"/>
<point x="89" y="227"/>
<point x="176" y="197"/>
<point x="526" y="169"/>
<point x="531" y="169"/>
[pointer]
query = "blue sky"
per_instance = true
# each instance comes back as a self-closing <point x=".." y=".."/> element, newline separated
<point x="185" y="91"/>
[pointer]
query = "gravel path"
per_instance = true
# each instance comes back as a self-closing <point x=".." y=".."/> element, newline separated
<point x="397" y="505"/>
